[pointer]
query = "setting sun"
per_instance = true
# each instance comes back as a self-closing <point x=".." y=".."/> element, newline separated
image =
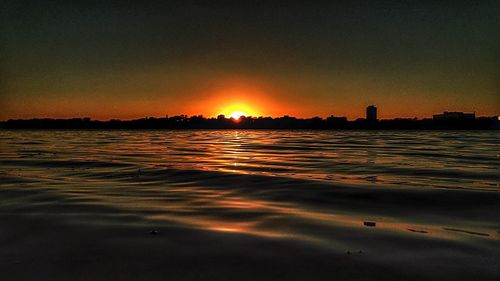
<point x="237" y="109"/>
<point x="237" y="114"/>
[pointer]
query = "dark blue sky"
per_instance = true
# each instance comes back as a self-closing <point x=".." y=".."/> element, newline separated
<point x="126" y="59"/>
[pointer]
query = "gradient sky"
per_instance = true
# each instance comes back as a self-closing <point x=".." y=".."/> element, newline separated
<point x="131" y="59"/>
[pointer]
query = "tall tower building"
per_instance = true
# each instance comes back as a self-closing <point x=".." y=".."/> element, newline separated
<point x="371" y="113"/>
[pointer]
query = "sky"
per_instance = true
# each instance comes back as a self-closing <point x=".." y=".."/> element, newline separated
<point x="133" y="59"/>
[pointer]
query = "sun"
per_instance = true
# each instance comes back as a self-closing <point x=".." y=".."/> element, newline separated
<point x="237" y="114"/>
<point x="235" y="110"/>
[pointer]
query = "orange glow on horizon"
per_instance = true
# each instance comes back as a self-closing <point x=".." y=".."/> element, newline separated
<point x="235" y="98"/>
<point x="226" y="94"/>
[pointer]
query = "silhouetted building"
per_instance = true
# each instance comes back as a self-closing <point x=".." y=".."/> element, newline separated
<point x="448" y="116"/>
<point x="371" y="113"/>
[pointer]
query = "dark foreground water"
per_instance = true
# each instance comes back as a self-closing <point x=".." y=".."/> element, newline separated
<point x="314" y="204"/>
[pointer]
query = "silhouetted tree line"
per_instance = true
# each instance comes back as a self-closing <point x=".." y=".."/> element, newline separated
<point x="285" y="122"/>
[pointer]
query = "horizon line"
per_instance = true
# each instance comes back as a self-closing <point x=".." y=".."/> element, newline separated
<point x="245" y="116"/>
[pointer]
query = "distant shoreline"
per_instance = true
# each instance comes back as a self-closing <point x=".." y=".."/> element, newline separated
<point x="184" y="122"/>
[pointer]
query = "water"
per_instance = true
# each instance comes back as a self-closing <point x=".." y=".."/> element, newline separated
<point x="423" y="190"/>
<point x="433" y="159"/>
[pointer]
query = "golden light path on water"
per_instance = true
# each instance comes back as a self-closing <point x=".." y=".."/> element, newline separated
<point x="303" y="186"/>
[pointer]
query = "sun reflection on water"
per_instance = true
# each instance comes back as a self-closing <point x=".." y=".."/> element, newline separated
<point x="221" y="181"/>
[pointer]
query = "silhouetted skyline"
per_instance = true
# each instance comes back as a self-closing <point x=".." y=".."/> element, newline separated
<point x="447" y="120"/>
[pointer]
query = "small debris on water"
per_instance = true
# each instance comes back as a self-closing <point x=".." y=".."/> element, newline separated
<point x="417" y="231"/>
<point x="353" y="252"/>
<point x="370" y="223"/>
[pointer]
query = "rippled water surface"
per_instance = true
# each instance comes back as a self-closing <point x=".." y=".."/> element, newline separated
<point x="270" y="183"/>
<point x="427" y="159"/>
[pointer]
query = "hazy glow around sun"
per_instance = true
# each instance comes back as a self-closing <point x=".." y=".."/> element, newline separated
<point x="237" y="109"/>
<point x="237" y="114"/>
